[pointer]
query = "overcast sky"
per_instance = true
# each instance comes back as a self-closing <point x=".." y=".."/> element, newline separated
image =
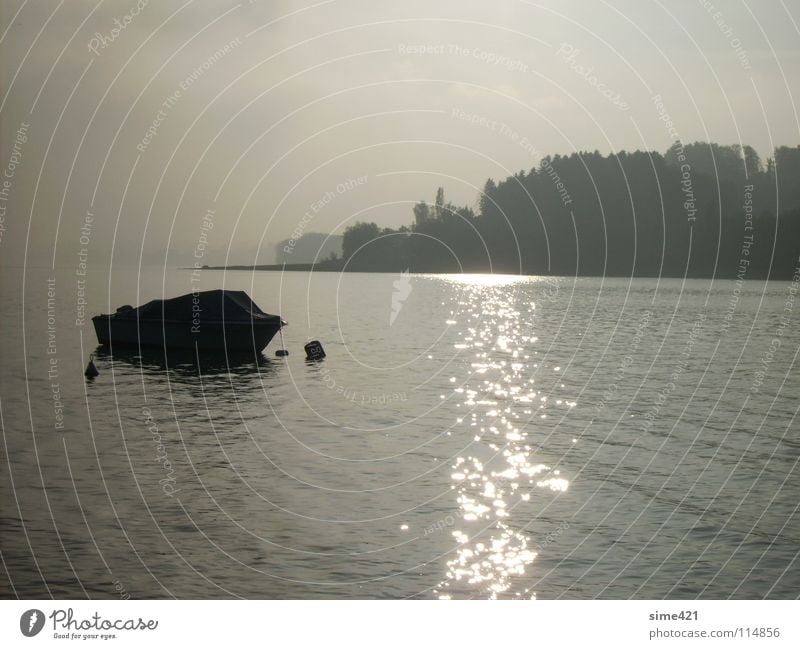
<point x="344" y="110"/>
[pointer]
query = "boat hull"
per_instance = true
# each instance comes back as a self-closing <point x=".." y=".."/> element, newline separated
<point x="248" y="336"/>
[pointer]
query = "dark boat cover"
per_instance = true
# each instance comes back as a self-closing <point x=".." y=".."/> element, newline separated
<point x="217" y="305"/>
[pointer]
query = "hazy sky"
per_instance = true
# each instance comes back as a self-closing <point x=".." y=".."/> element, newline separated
<point x="346" y="110"/>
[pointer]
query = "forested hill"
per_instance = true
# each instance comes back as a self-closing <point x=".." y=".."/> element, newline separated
<point x="699" y="210"/>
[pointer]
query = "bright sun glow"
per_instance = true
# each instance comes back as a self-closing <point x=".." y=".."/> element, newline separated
<point x="479" y="280"/>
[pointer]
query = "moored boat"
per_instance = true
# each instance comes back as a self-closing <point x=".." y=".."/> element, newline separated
<point x="206" y="320"/>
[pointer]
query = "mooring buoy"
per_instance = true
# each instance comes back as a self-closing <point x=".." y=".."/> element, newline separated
<point x="314" y="351"/>
<point x="282" y="351"/>
<point x="91" y="370"/>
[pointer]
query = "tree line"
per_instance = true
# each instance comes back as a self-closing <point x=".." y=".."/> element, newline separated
<point x="698" y="210"/>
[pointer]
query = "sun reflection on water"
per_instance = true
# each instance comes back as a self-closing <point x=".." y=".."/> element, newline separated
<point x="502" y="470"/>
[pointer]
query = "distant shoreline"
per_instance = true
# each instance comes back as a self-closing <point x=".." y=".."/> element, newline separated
<point x="323" y="266"/>
<point x="337" y="267"/>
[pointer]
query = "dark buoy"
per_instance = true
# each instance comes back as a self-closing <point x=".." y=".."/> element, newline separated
<point x="314" y="351"/>
<point x="282" y="351"/>
<point x="91" y="370"/>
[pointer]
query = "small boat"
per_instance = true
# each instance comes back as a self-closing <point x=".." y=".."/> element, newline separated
<point x="206" y="320"/>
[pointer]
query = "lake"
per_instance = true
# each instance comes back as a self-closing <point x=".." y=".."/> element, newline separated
<point x="466" y="437"/>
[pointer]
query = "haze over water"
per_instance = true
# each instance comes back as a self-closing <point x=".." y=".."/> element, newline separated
<point x="466" y="437"/>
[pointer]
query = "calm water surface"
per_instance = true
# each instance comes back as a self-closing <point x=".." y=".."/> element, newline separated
<point x="467" y="437"/>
